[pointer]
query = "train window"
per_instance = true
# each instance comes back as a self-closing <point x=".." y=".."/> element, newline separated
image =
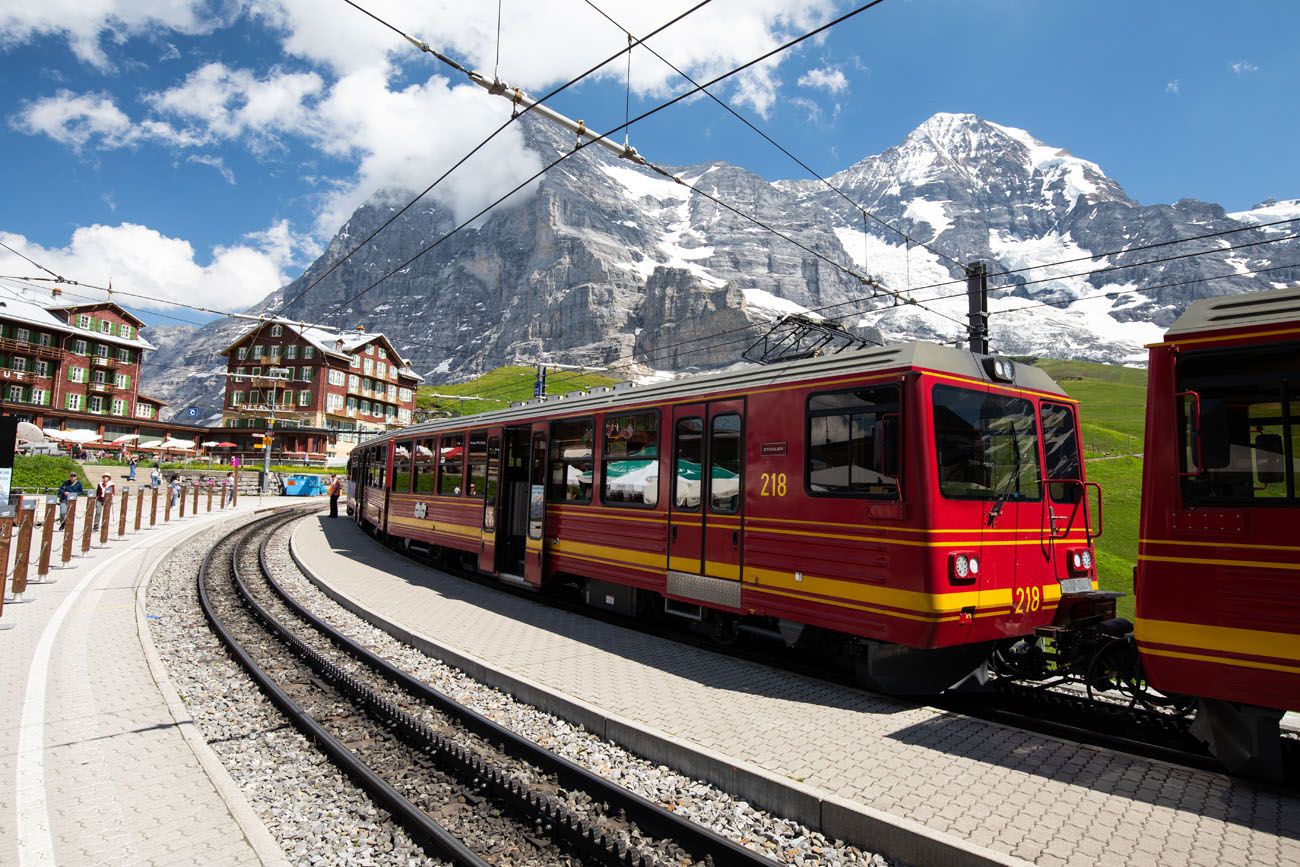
<point x="987" y="445"/>
<point x="571" y="460"/>
<point x="402" y="462"/>
<point x="853" y="442"/>
<point x="477" y="455"/>
<point x="451" y="465"/>
<point x="377" y="466"/>
<point x="689" y="457"/>
<point x="1061" y="450"/>
<point x="630" y="460"/>
<point x="425" y="466"/>
<point x="725" y="449"/>
<point x="1240" y="432"/>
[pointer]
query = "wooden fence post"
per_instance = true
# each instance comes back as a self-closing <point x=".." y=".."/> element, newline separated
<point x="47" y="543"/>
<point x="23" y="551"/>
<point x="69" y="529"/>
<point x="89" y="528"/>
<point x="153" y="508"/>
<point x="139" y="508"/>
<point x="181" y="499"/>
<point x="234" y="495"/>
<point x="167" y="507"/>
<point x="6" y="533"/>
<point x="211" y="487"/>
<point x="195" y="510"/>
<point x="123" y="502"/>
<point x="105" y="518"/>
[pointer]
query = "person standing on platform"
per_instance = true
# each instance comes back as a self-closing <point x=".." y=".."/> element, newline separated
<point x="73" y="487"/>
<point x="104" y="492"/>
<point x="130" y="468"/>
<point x="228" y="490"/>
<point x="155" y="477"/>
<point x="174" y="489"/>
<point x="336" y="488"/>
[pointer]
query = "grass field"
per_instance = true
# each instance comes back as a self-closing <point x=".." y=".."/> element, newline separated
<point x="1112" y="414"/>
<point x="499" y="388"/>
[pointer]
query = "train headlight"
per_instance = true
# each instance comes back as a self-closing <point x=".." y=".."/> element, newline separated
<point x="963" y="566"/>
<point x="1000" y="368"/>
<point x="1079" y="562"/>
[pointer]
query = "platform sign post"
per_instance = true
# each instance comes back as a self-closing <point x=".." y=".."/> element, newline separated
<point x="125" y="499"/>
<point x="47" y="543"/>
<point x="6" y="533"/>
<point x="69" y="529"/>
<point x="23" y="549"/>
<point x="139" y="507"/>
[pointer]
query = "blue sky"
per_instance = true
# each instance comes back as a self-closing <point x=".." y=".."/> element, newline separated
<point x="206" y="155"/>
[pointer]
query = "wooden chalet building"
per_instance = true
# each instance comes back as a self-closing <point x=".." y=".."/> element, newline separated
<point x="314" y="387"/>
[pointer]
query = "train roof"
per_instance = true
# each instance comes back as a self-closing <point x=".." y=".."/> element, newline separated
<point x="898" y="356"/>
<point x="1271" y="307"/>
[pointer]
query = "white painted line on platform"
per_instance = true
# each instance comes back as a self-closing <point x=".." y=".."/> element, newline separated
<point x="35" y="840"/>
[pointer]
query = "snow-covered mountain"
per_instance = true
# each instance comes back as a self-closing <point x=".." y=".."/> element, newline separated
<point x="606" y="261"/>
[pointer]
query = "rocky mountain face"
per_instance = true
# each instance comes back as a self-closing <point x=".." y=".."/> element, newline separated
<point x="607" y="263"/>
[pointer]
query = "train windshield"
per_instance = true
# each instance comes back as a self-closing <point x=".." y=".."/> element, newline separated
<point x="1239" y="423"/>
<point x="987" y="445"/>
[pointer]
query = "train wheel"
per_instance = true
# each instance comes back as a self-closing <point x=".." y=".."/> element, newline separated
<point x="1115" y="679"/>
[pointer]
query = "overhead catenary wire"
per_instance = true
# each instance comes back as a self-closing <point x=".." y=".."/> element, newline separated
<point x="866" y="214"/>
<point x="495" y="86"/>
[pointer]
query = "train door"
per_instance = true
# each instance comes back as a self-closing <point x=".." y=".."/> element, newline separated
<point x="485" y="482"/>
<point x="706" y="509"/>
<point x="535" y="546"/>
<point x="513" y="502"/>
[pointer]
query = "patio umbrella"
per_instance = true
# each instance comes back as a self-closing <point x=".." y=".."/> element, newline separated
<point x="171" y="443"/>
<point x="210" y="444"/>
<point x="81" y="436"/>
<point x="151" y="444"/>
<point x="125" y="438"/>
<point x="55" y="434"/>
<point x="225" y="445"/>
<point x="29" y="433"/>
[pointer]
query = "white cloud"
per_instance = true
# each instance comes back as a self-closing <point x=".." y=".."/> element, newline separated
<point x="827" y="78"/>
<point x="78" y="119"/>
<point x="86" y="25"/>
<point x="214" y="162"/>
<point x="1241" y="66"/>
<point x="1174" y="87"/>
<point x="144" y="261"/>
<point x="232" y="103"/>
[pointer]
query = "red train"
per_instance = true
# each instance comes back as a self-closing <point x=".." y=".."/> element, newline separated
<point x="1218" y="573"/>
<point x="915" y="505"/>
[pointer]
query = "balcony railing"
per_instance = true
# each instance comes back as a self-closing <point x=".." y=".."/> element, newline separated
<point x="22" y="347"/>
<point x="101" y="386"/>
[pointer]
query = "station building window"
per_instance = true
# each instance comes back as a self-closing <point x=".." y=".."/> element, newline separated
<point x="451" y="465"/>
<point x="630" y="460"/>
<point x="853" y="442"/>
<point x="571" y="460"/>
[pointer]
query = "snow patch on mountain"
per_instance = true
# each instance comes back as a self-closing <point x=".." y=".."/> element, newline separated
<point x="776" y="307"/>
<point x="1268" y="212"/>
<point x="926" y="211"/>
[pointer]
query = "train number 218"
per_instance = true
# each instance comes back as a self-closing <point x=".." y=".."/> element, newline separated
<point x="773" y="485"/>
<point x="1027" y="599"/>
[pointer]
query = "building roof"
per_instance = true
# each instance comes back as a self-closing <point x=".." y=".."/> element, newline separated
<point x="18" y="308"/>
<point x="331" y="342"/>
<point x="131" y="318"/>
<point x="157" y="401"/>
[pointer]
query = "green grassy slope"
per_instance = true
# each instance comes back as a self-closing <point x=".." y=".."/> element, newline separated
<point x="1112" y="415"/>
<point x="502" y="386"/>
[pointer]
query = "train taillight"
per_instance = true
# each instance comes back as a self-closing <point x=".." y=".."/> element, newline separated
<point x="963" y="567"/>
<point x="1079" y="561"/>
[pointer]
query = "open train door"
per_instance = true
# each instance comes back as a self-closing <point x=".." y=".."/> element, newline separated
<point x="535" y="544"/>
<point x="484" y="454"/>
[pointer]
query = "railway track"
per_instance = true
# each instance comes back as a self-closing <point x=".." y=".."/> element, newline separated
<point x="1052" y="709"/>
<point x="468" y="790"/>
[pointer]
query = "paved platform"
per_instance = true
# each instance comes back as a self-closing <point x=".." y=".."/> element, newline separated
<point x="99" y="767"/>
<point x="926" y="785"/>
